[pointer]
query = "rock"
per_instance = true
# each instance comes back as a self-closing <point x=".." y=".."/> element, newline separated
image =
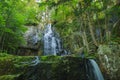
<point x="109" y="56"/>
<point x="67" y="68"/>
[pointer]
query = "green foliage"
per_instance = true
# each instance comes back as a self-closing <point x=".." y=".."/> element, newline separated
<point x="4" y="54"/>
<point x="8" y="77"/>
<point x="11" y="26"/>
<point x="73" y="17"/>
<point x="13" y="16"/>
<point x="13" y="64"/>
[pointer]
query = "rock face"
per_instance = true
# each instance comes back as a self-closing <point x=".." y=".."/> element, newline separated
<point x="109" y="57"/>
<point x="33" y="35"/>
<point x="33" y="41"/>
<point x="68" y="68"/>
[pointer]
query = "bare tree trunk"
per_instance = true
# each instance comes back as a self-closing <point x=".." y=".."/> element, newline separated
<point x="84" y="36"/>
<point x="2" y="43"/>
<point x="1" y="37"/>
<point x="91" y="31"/>
<point x="85" y="42"/>
<point x="107" y="31"/>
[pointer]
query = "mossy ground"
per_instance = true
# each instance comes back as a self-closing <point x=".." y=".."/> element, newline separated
<point x="12" y="66"/>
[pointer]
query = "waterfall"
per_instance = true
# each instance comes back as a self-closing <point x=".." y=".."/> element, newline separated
<point x="52" y="43"/>
<point x="93" y="71"/>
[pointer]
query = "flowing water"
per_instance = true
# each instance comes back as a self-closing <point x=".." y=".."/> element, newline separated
<point x="52" y="43"/>
<point x="93" y="71"/>
<point x="36" y="61"/>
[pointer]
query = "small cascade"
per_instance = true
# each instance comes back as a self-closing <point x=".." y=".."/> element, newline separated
<point x="36" y="61"/>
<point x="93" y="71"/>
<point x="52" y="43"/>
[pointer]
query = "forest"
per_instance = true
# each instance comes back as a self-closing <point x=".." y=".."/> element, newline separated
<point x="59" y="39"/>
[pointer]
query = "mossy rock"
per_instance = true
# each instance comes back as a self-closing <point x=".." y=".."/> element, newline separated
<point x="66" y="68"/>
<point x="49" y="68"/>
<point x="10" y="64"/>
<point x="8" y="77"/>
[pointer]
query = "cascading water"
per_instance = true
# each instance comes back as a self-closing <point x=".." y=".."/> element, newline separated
<point x="93" y="71"/>
<point x="36" y="61"/>
<point x="52" y="43"/>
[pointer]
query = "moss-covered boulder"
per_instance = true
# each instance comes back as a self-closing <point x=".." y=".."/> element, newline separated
<point x="8" y="77"/>
<point x="11" y="66"/>
<point x="49" y="67"/>
<point x="64" y="68"/>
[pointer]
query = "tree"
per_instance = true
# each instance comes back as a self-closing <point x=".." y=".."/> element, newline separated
<point x="77" y="20"/>
<point x="13" y="16"/>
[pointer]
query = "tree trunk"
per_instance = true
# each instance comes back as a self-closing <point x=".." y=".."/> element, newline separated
<point x="85" y="42"/>
<point x="91" y="31"/>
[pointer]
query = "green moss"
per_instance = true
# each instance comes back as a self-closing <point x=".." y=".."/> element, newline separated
<point x="8" y="77"/>
<point x="91" y="56"/>
<point x="11" y="64"/>
<point x="3" y="54"/>
<point x="50" y="58"/>
<point x="67" y="68"/>
<point x="54" y="66"/>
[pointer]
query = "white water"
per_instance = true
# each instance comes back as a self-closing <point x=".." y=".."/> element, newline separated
<point x="52" y="44"/>
<point x="36" y="61"/>
<point x="94" y="71"/>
